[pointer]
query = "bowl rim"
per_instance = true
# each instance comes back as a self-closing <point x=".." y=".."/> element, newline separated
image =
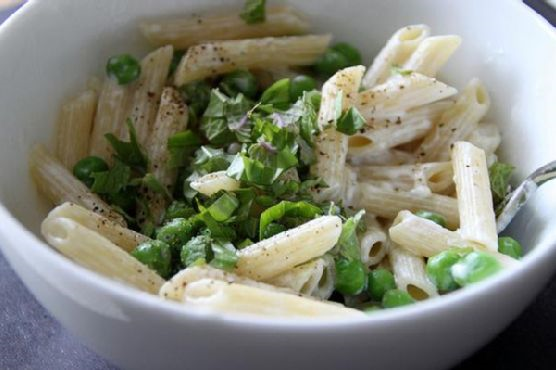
<point x="13" y="232"/>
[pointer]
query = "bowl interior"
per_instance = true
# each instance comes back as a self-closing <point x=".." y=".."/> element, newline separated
<point x="50" y="50"/>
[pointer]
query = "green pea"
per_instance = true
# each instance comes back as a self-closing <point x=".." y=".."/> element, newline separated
<point x="156" y="255"/>
<point x="474" y="267"/>
<point x="510" y="247"/>
<point x="126" y="199"/>
<point x="124" y="68"/>
<point x="439" y="270"/>
<point x="432" y="216"/>
<point x="350" y="276"/>
<point x="240" y="82"/>
<point x="178" y="231"/>
<point x="352" y="55"/>
<point x="272" y="229"/>
<point x="84" y="169"/>
<point x="396" y="298"/>
<point x="330" y="62"/>
<point x="299" y="84"/>
<point x="379" y="282"/>
<point x="179" y="209"/>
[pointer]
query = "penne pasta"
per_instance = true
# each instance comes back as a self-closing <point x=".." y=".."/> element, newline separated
<point x="456" y="123"/>
<point x="386" y="203"/>
<point x="396" y="52"/>
<point x="93" y="251"/>
<point x="146" y="97"/>
<point x="436" y="176"/>
<point x="409" y="273"/>
<point x="222" y="297"/>
<point x="423" y="237"/>
<point x="110" y="117"/>
<point x="184" y="32"/>
<point x="174" y="288"/>
<point x="374" y="246"/>
<point x="486" y="136"/>
<point x="431" y="54"/>
<point x="74" y="128"/>
<point x="381" y="158"/>
<point x="271" y="257"/>
<point x="219" y="57"/>
<point x="314" y="278"/>
<point x="59" y="185"/>
<point x="171" y="119"/>
<point x="123" y="237"/>
<point x="399" y="94"/>
<point x="476" y="211"/>
<point x="331" y="145"/>
<point x="214" y="182"/>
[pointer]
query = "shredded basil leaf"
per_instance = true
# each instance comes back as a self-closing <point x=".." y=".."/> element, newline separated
<point x="283" y="209"/>
<point x="180" y="146"/>
<point x="397" y="70"/>
<point x="111" y="181"/>
<point x="499" y="174"/>
<point x="348" y="243"/>
<point x="129" y="153"/>
<point x="225" y="256"/>
<point x="253" y="11"/>
<point x="350" y="122"/>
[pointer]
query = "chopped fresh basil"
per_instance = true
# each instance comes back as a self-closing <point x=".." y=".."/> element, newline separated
<point x="253" y="11"/>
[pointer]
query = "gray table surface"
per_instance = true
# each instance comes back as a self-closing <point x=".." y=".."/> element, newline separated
<point x="32" y="339"/>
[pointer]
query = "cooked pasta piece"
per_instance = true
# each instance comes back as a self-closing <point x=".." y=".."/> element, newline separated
<point x="74" y="128"/>
<point x="271" y="257"/>
<point x="174" y="288"/>
<point x="235" y="298"/>
<point x="487" y="137"/>
<point x="59" y="185"/>
<point x="437" y="176"/>
<point x="399" y="94"/>
<point x="187" y="31"/>
<point x="171" y="119"/>
<point x="395" y="53"/>
<point x="373" y="242"/>
<point x="383" y="134"/>
<point x="456" y="123"/>
<point x="123" y="237"/>
<point x="385" y="157"/>
<point x="214" y="182"/>
<point x="146" y="97"/>
<point x="219" y="57"/>
<point x="423" y="237"/>
<point x="93" y="251"/>
<point x="314" y="278"/>
<point x="386" y="203"/>
<point x="432" y="54"/>
<point x="409" y="273"/>
<point x="112" y="110"/>
<point x="331" y="145"/>
<point x="476" y="211"/>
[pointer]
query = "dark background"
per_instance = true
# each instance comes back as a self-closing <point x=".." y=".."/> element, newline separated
<point x="31" y="339"/>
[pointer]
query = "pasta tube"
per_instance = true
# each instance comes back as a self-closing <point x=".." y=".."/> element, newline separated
<point x="171" y="118"/>
<point x="146" y="98"/>
<point x="123" y="237"/>
<point x="110" y="117"/>
<point x="476" y="211"/>
<point x="175" y="287"/>
<point x="314" y="278"/>
<point x="399" y="94"/>
<point x="373" y="242"/>
<point x="235" y="298"/>
<point x="219" y="57"/>
<point x="432" y="54"/>
<point x="271" y="257"/>
<point x="59" y="185"/>
<point x="93" y="251"/>
<point x="396" y="51"/>
<point x="214" y="182"/>
<point x="184" y="32"/>
<point x="387" y="203"/>
<point x="409" y="273"/>
<point x="74" y="128"/>
<point x="456" y="123"/>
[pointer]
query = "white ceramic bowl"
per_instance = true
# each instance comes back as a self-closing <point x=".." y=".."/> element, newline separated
<point x="49" y="49"/>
